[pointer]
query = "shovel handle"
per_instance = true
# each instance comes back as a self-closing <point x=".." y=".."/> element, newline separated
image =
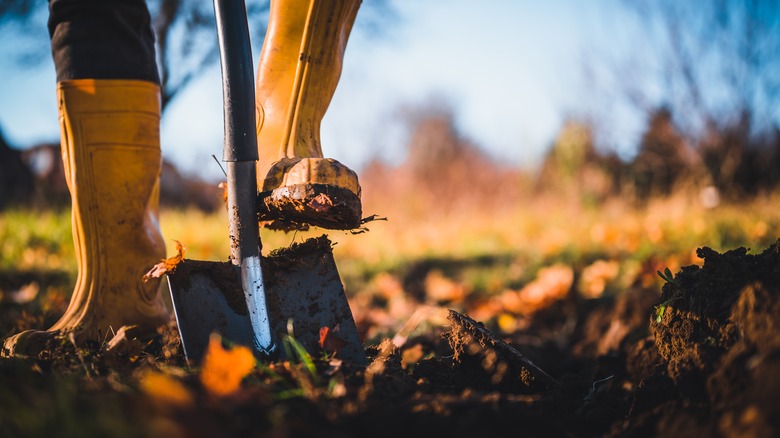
<point x="240" y="153"/>
<point x="240" y="147"/>
<point x="238" y="86"/>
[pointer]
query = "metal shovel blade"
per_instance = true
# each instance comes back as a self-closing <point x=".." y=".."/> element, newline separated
<point x="302" y="285"/>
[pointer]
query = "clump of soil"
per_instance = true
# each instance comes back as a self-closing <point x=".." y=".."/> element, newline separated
<point x="484" y="361"/>
<point x="300" y="205"/>
<point x="717" y="330"/>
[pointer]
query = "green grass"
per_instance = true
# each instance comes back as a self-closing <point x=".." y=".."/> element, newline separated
<point x="36" y="240"/>
<point x="487" y="251"/>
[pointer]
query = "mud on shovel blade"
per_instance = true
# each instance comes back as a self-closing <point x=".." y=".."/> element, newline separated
<point x="240" y="153"/>
<point x="207" y="297"/>
<point x="302" y="285"/>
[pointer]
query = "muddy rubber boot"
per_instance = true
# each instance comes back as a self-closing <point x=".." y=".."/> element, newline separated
<point x="111" y="154"/>
<point x="299" y="69"/>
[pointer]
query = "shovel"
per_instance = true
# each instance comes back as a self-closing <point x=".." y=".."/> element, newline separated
<point x="252" y="300"/>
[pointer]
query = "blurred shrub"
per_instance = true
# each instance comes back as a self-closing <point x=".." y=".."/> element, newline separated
<point x="728" y="163"/>
<point x="664" y="159"/>
<point x="16" y="180"/>
<point x="573" y="166"/>
<point x="443" y="171"/>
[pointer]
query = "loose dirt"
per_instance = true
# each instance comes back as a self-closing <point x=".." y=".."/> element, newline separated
<point x="701" y="360"/>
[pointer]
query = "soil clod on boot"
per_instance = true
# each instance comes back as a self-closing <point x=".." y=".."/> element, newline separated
<point x="321" y="205"/>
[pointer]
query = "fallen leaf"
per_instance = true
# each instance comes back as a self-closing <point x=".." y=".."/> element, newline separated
<point x="120" y="337"/>
<point x="123" y="347"/>
<point x="224" y="186"/>
<point x="551" y="284"/>
<point x="24" y="294"/>
<point x="507" y="323"/>
<point x="165" y="390"/>
<point x="166" y="265"/>
<point x="440" y="289"/>
<point x="330" y="342"/>
<point x="388" y="286"/>
<point x="223" y="370"/>
<point x="594" y="278"/>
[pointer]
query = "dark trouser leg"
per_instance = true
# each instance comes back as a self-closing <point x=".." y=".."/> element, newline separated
<point x="102" y="39"/>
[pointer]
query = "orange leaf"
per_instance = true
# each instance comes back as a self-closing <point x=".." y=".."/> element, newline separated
<point x="166" y="265"/>
<point x="223" y="370"/>
<point x="223" y="185"/>
<point x="330" y="342"/>
<point x="166" y="390"/>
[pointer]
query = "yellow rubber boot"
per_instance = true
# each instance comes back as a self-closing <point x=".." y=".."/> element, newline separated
<point x="111" y="154"/>
<point x="299" y="69"/>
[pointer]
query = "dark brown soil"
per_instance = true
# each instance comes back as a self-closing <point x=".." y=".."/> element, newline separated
<point x="717" y="331"/>
<point x="701" y="360"/>
<point x="301" y="205"/>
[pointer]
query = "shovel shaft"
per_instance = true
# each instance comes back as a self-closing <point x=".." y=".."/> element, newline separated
<point x="238" y="87"/>
<point x="245" y="249"/>
<point x="242" y="218"/>
<point x="240" y="153"/>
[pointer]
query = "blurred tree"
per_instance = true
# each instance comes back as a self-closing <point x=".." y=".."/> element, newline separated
<point x="715" y="67"/>
<point x="16" y="180"/>
<point x="441" y="161"/>
<point x="185" y="31"/>
<point x="573" y="166"/>
<point x="573" y="149"/>
<point x="664" y="159"/>
<point x="186" y="39"/>
<point x="447" y="168"/>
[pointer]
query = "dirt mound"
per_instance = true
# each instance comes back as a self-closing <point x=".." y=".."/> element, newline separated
<point x="484" y="361"/>
<point x="717" y="331"/>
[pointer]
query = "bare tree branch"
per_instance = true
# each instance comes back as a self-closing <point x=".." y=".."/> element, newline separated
<point x="185" y="31"/>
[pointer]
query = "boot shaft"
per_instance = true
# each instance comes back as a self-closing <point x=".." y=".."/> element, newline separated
<point x="111" y="154"/>
<point x="299" y="69"/>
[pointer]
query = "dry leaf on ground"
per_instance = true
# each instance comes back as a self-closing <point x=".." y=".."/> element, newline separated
<point x="551" y="284"/>
<point x="224" y="369"/>
<point x="329" y="340"/>
<point x="595" y="277"/>
<point x="439" y="288"/>
<point x="166" y="390"/>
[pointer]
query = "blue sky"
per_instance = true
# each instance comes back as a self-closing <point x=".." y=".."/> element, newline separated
<point x="510" y="69"/>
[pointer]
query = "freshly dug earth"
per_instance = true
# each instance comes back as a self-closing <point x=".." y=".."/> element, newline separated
<point x="701" y="360"/>
<point x="717" y="329"/>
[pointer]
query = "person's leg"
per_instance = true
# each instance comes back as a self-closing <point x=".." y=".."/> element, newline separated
<point x="102" y="39"/>
<point x="109" y="104"/>
<point x="299" y="69"/>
